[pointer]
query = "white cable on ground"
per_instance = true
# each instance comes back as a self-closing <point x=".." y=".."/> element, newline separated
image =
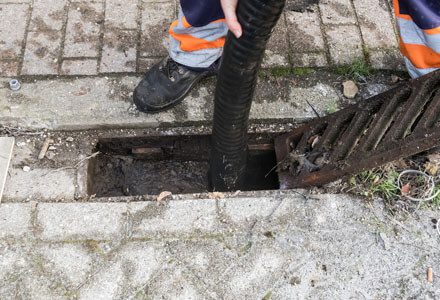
<point x="428" y="195"/>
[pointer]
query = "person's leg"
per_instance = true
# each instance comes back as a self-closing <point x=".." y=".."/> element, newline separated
<point x="419" y="27"/>
<point x="196" y="44"/>
<point x="198" y="36"/>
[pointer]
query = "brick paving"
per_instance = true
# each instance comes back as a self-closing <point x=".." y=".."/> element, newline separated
<point x="280" y="245"/>
<point x="70" y="37"/>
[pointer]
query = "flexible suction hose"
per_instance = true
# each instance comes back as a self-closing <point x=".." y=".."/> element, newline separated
<point x="235" y="88"/>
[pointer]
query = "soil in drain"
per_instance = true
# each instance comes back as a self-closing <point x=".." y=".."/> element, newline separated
<point x="113" y="175"/>
<point x="128" y="176"/>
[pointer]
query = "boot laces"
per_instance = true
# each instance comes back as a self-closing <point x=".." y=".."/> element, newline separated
<point x="171" y="67"/>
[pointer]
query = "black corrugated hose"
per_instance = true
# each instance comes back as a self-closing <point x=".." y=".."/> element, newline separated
<point x="235" y="88"/>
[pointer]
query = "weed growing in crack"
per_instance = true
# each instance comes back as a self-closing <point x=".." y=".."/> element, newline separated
<point x="357" y="70"/>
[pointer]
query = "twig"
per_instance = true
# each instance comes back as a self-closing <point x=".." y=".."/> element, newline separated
<point x="75" y="165"/>
<point x="314" y="110"/>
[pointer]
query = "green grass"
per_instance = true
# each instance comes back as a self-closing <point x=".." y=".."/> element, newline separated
<point x="378" y="183"/>
<point x="358" y="68"/>
<point x="285" y="71"/>
<point x="280" y="72"/>
<point x="436" y="200"/>
<point x="302" y="71"/>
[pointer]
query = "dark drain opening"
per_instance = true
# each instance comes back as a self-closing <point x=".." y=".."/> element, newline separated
<point x="179" y="164"/>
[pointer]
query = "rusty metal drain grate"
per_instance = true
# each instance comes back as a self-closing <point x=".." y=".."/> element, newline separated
<point x="398" y="123"/>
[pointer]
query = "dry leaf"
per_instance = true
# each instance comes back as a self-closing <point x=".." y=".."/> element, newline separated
<point x="216" y="195"/>
<point x="431" y="168"/>
<point x="164" y="196"/>
<point x="405" y="189"/>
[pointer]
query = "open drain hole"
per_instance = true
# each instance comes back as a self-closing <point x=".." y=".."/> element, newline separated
<point x="179" y="164"/>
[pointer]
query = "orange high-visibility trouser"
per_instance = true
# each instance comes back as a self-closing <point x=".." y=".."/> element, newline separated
<point x="419" y="27"/>
<point x="198" y="35"/>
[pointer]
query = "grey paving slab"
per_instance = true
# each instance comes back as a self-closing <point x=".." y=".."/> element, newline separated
<point x="42" y="53"/>
<point x="375" y="24"/>
<point x="40" y="183"/>
<point x="345" y="44"/>
<point x="79" y="67"/>
<point x="87" y="221"/>
<point x="12" y="29"/>
<point x="83" y="29"/>
<point x="6" y="147"/>
<point x="337" y="12"/>
<point x="305" y="34"/>
<point x="119" y="51"/>
<point x="122" y="14"/>
<point x="15" y="220"/>
<point x="277" y="50"/>
<point x="156" y="20"/>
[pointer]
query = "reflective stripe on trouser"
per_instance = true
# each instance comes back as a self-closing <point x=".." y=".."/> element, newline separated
<point x="419" y="28"/>
<point x="196" y="46"/>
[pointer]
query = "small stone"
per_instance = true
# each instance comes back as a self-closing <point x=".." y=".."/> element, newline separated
<point x="52" y="148"/>
<point x="69" y="139"/>
<point x="26" y="168"/>
<point x="350" y="89"/>
<point x="21" y="144"/>
<point x="395" y="79"/>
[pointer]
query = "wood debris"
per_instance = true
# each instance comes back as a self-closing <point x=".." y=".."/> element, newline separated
<point x="430" y="275"/>
<point x="44" y="148"/>
<point x="164" y="196"/>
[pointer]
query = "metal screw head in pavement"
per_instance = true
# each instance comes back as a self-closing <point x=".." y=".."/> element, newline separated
<point x="14" y="85"/>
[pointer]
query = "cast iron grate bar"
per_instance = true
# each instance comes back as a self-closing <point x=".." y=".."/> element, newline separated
<point x="398" y="123"/>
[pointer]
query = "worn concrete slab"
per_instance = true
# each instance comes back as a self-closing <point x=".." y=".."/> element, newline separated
<point x="280" y="246"/>
<point x="106" y="102"/>
<point x="6" y="146"/>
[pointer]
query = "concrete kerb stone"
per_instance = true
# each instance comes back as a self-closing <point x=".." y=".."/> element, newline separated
<point x="190" y="218"/>
<point x="104" y="102"/>
<point x="81" y="221"/>
<point x="15" y="220"/>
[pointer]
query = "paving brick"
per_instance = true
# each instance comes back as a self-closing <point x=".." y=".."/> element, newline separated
<point x="81" y="221"/>
<point x="145" y="64"/>
<point x="121" y="14"/>
<point x="79" y="67"/>
<point x="105" y="284"/>
<point x="119" y="51"/>
<point x="345" y="44"/>
<point x="12" y="29"/>
<point x="305" y="33"/>
<point x="9" y="68"/>
<point x="375" y="23"/>
<point x="174" y="218"/>
<point x="144" y="258"/>
<point x="14" y="219"/>
<point x="83" y="29"/>
<point x="40" y="184"/>
<point x="390" y="59"/>
<point x="48" y="15"/>
<point x="337" y="12"/>
<point x="42" y="53"/>
<point x="277" y="50"/>
<point x="156" y="20"/>
<point x="70" y="262"/>
<point x="309" y="59"/>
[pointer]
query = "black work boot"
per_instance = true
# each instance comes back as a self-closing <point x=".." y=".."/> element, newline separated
<point x="167" y="83"/>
